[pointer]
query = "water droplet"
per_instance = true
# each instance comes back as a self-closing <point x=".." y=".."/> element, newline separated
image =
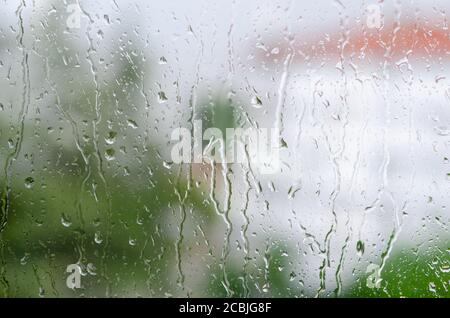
<point x="98" y="238"/>
<point x="167" y="165"/>
<point x="132" y="124"/>
<point x="360" y="248"/>
<point x="442" y="131"/>
<point x="111" y="138"/>
<point x="292" y="276"/>
<point x="162" y="98"/>
<point x="439" y="78"/>
<point x="162" y="60"/>
<point x="29" y="182"/>
<point x="432" y="287"/>
<point x="66" y="220"/>
<point x="132" y="242"/>
<point x="110" y="154"/>
<point x="256" y="102"/>
<point x="24" y="260"/>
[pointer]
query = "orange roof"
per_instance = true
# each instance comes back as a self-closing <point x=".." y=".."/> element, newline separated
<point x="407" y="39"/>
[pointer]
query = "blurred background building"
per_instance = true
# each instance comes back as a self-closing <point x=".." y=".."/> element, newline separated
<point x="91" y="93"/>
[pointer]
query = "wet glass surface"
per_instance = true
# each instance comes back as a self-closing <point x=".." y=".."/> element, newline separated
<point x="224" y="148"/>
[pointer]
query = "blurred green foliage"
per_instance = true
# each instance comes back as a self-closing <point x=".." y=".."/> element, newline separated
<point x="68" y="204"/>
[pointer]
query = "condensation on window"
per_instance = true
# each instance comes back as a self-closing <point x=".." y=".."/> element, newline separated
<point x="224" y="148"/>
